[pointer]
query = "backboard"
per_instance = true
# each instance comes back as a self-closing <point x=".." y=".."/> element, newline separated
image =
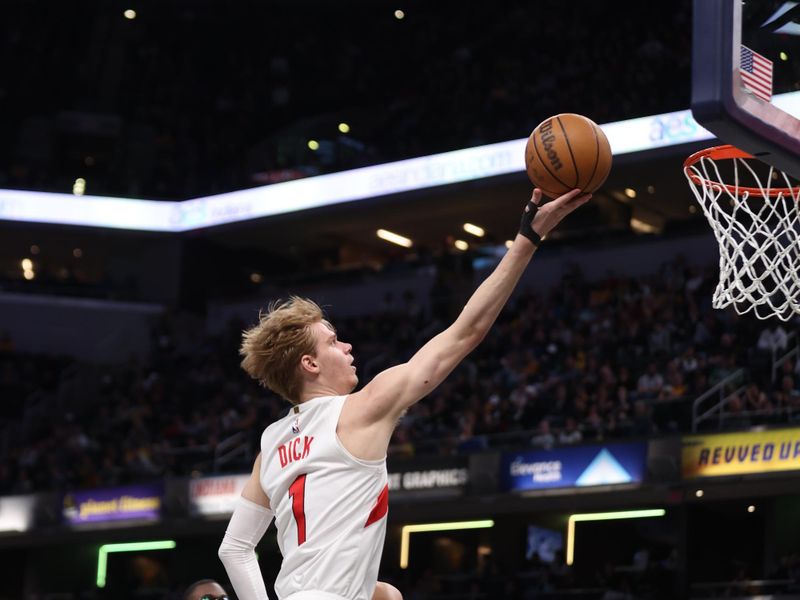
<point x="746" y="76"/>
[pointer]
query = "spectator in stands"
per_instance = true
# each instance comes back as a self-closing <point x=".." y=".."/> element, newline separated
<point x="650" y="383"/>
<point x="571" y="434"/>
<point x="773" y="339"/>
<point x="735" y="417"/>
<point x="544" y="438"/>
<point x="642" y="425"/>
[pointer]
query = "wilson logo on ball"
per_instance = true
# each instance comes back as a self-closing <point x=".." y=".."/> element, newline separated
<point x="548" y="141"/>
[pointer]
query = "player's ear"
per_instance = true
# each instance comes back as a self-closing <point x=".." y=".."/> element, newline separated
<point x="309" y="364"/>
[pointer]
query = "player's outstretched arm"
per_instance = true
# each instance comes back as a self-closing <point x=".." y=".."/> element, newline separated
<point x="250" y="520"/>
<point x="397" y="388"/>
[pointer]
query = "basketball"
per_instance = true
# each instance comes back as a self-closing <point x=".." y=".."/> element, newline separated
<point x="565" y="152"/>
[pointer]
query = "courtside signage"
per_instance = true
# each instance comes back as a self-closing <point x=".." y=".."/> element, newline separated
<point x="579" y="466"/>
<point x="215" y="496"/>
<point x="469" y="164"/>
<point x="139" y="502"/>
<point x="722" y="454"/>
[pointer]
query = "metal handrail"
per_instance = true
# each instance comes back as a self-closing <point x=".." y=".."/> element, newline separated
<point x="230" y="448"/>
<point x="718" y="388"/>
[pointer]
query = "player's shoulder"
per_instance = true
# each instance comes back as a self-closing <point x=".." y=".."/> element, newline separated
<point x="294" y="413"/>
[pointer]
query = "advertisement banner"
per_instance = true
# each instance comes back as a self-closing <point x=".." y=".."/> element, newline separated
<point x="579" y="466"/>
<point x="443" y="477"/>
<point x="715" y="455"/>
<point x="136" y="502"/>
<point x="215" y="496"/>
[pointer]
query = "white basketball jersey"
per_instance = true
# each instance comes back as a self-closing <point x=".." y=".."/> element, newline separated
<point x="330" y="507"/>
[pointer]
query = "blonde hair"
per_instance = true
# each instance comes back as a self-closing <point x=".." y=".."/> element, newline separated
<point x="272" y="349"/>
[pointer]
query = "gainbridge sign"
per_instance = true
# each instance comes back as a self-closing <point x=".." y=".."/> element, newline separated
<point x="722" y="454"/>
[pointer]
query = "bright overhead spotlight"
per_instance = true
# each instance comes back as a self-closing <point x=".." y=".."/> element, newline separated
<point x="509" y="243"/>
<point x="130" y="14"/>
<point x="399" y="14"/>
<point x="630" y="193"/>
<point x="784" y="56"/>
<point x="461" y="245"/>
<point x="28" y="275"/>
<point x="699" y="493"/>
<point x="344" y="127"/>
<point x="751" y="509"/>
<point x="313" y="145"/>
<point x="474" y="230"/>
<point x="394" y="238"/>
<point x="27" y="264"/>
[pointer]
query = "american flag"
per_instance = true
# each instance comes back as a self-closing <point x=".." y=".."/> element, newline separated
<point x="756" y="73"/>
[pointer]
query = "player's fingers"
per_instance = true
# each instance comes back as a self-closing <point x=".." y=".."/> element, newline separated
<point x="536" y="197"/>
<point x="576" y="201"/>
<point x="564" y="198"/>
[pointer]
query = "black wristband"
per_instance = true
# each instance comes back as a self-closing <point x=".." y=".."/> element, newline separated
<point x="525" y="226"/>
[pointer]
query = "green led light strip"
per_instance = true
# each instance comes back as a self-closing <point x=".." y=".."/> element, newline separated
<point x="405" y="538"/>
<point x="106" y="549"/>
<point x="606" y="516"/>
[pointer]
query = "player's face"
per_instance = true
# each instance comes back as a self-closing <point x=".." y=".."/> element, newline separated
<point x="335" y="358"/>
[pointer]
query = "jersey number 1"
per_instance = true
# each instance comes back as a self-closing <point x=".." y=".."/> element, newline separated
<point x="297" y="491"/>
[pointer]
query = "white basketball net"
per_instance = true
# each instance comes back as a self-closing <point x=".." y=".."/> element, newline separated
<point x="758" y="235"/>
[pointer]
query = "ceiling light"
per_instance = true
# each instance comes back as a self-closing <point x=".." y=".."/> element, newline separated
<point x="77" y="252"/>
<point x="474" y="230"/>
<point x="27" y="264"/>
<point x="509" y="243"/>
<point x="630" y="192"/>
<point x="407" y="530"/>
<point x="28" y="275"/>
<point x="608" y="516"/>
<point x="313" y="144"/>
<point x="34" y="249"/>
<point x="784" y="56"/>
<point x="640" y="226"/>
<point x="344" y="127"/>
<point x="399" y="14"/>
<point x="699" y="493"/>
<point x="79" y="187"/>
<point x="751" y="509"/>
<point x="256" y="277"/>
<point x="394" y="238"/>
<point x="461" y="245"/>
<point x="106" y="549"/>
<point x="130" y="14"/>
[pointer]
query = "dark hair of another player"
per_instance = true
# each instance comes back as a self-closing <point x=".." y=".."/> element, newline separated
<point x="187" y="595"/>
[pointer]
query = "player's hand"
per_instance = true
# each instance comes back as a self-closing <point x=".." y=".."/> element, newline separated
<point x="548" y="215"/>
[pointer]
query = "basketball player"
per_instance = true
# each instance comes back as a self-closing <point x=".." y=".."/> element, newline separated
<point x="205" y="589"/>
<point x="322" y="469"/>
